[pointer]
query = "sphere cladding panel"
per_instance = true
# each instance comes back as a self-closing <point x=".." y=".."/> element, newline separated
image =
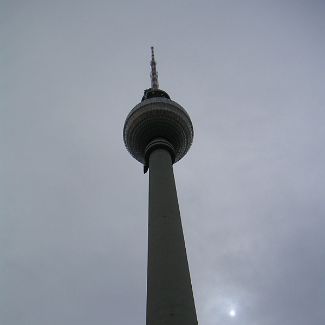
<point x="157" y="118"/>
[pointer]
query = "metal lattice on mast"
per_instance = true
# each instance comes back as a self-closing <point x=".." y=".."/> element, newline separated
<point x="154" y="73"/>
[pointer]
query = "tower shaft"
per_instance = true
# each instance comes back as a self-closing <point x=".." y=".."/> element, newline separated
<point x="169" y="290"/>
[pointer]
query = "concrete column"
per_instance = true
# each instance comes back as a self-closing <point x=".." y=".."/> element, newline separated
<point x="169" y="291"/>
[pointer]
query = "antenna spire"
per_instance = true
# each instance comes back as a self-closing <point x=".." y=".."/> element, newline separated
<point x="154" y="73"/>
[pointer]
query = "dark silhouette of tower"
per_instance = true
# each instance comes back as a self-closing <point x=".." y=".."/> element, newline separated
<point x="158" y="132"/>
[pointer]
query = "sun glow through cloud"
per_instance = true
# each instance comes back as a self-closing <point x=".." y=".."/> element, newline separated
<point x="232" y="312"/>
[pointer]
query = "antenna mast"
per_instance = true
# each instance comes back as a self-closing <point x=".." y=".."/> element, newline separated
<point x="154" y="73"/>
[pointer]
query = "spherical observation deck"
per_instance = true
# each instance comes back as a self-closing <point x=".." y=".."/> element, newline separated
<point x="157" y="118"/>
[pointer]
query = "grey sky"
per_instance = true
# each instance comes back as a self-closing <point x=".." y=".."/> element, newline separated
<point x="73" y="223"/>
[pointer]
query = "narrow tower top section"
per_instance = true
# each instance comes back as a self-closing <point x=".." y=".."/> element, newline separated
<point x="157" y="119"/>
<point x="154" y="73"/>
<point x="154" y="91"/>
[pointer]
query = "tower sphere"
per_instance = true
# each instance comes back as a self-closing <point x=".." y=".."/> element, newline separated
<point x="157" y="117"/>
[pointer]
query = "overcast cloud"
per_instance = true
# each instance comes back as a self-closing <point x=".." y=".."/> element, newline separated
<point x="73" y="202"/>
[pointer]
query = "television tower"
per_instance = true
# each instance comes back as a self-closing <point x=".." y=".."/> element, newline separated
<point x="158" y="132"/>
